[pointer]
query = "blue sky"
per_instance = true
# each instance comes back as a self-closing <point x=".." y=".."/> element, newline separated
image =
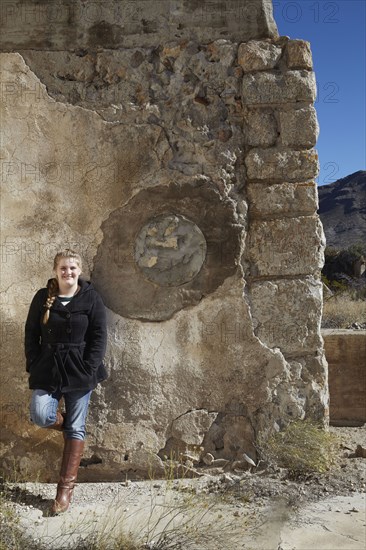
<point x="336" y="31"/>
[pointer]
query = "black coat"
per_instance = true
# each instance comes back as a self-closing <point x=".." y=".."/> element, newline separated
<point x="68" y="351"/>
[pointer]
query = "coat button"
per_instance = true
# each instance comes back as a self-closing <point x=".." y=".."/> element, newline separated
<point x="68" y="330"/>
<point x="68" y="316"/>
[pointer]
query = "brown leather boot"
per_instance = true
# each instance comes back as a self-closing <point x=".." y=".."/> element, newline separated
<point x="73" y="451"/>
<point x="58" y="425"/>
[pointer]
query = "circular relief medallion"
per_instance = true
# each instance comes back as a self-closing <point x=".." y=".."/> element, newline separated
<point x="170" y="250"/>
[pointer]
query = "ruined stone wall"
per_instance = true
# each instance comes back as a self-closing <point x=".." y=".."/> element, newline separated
<point x="346" y="356"/>
<point x="179" y="160"/>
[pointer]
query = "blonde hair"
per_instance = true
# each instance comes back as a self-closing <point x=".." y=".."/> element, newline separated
<point x="52" y="285"/>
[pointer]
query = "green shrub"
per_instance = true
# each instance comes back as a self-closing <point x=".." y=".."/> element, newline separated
<point x="338" y="270"/>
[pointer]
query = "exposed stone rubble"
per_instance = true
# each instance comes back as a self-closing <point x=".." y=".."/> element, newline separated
<point x="220" y="134"/>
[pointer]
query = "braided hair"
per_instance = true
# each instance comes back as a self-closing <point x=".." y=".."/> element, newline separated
<point x="52" y="285"/>
<point x="52" y="291"/>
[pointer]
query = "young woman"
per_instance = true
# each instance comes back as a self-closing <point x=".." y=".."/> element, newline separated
<point x="65" y="342"/>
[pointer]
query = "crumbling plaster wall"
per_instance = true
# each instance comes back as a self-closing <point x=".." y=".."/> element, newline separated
<point x="182" y="167"/>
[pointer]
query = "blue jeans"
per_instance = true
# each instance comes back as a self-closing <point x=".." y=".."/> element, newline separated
<point x="43" y="409"/>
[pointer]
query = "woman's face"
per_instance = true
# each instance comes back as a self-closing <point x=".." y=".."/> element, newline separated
<point x="67" y="272"/>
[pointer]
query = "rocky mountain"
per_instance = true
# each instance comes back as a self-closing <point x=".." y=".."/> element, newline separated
<point x="342" y="209"/>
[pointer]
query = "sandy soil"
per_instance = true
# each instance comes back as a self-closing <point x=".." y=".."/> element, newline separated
<point x="227" y="510"/>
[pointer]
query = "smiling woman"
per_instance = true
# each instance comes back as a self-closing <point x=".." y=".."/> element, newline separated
<point x="65" y="284"/>
<point x="67" y="274"/>
<point x="65" y="341"/>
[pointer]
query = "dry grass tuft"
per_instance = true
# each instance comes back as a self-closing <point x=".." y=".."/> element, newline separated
<point x="341" y="311"/>
<point x="303" y="448"/>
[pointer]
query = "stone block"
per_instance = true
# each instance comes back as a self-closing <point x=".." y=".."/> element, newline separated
<point x="287" y="246"/>
<point x="277" y="88"/>
<point x="286" y="314"/>
<point x="299" y="127"/>
<point x="281" y="164"/>
<point x="260" y="127"/>
<point x="282" y="199"/>
<point x="191" y="427"/>
<point x="309" y="383"/>
<point x="258" y="55"/>
<point x="298" y="55"/>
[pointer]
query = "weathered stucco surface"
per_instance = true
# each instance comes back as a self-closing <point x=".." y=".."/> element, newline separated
<point x="182" y="168"/>
<point x="113" y="24"/>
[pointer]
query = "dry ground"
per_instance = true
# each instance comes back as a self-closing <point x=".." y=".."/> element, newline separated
<point x="259" y="509"/>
